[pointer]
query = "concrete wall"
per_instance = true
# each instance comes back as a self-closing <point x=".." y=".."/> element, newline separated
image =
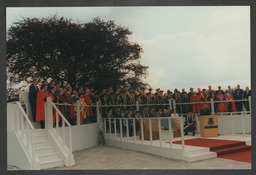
<point x="16" y="154"/>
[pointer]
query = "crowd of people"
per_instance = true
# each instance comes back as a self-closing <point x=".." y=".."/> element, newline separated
<point x="122" y="102"/>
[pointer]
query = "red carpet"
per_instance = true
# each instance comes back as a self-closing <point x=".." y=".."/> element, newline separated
<point x="228" y="149"/>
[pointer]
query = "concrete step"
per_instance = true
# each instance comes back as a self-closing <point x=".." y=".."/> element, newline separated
<point x="51" y="163"/>
<point x="48" y="157"/>
<point x="197" y="151"/>
<point x="45" y="150"/>
<point x="201" y="156"/>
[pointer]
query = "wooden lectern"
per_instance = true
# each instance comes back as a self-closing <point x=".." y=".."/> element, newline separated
<point x="176" y="131"/>
<point x="155" y="131"/>
<point x="208" y="125"/>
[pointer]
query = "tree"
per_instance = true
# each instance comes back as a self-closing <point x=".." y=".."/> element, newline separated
<point x="96" y="54"/>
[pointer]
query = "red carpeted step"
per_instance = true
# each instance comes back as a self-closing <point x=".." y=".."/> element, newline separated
<point x="228" y="145"/>
<point x="232" y="149"/>
<point x="243" y="156"/>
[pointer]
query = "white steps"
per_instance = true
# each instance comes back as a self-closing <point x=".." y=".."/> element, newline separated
<point x="200" y="156"/>
<point x="51" y="163"/>
<point x="46" y="151"/>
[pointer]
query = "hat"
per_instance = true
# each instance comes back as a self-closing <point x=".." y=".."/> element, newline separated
<point x="191" y="88"/>
<point x="161" y="91"/>
<point x="150" y="89"/>
<point x="204" y="90"/>
<point x="157" y="89"/>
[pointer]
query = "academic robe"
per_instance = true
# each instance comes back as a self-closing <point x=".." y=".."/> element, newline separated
<point x="203" y="98"/>
<point x="221" y="105"/>
<point x="70" y="109"/>
<point x="41" y="99"/>
<point x="195" y="107"/>
<point x="88" y="101"/>
<point x="230" y="102"/>
<point x="190" y="119"/>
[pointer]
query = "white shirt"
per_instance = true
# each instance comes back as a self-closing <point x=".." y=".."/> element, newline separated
<point x="175" y="116"/>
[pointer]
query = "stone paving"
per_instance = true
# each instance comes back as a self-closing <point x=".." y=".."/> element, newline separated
<point x="103" y="157"/>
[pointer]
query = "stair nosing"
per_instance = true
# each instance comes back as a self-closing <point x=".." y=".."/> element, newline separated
<point x="48" y="154"/>
<point x="234" y="148"/>
<point x="45" y="147"/>
<point x="52" y="161"/>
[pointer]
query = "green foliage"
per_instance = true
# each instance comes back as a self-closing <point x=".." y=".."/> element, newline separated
<point x="96" y="54"/>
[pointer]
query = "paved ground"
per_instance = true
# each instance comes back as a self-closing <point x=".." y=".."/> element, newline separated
<point x="103" y="157"/>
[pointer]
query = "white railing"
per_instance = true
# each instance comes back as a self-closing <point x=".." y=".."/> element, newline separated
<point x="111" y="124"/>
<point x="26" y="131"/>
<point x="60" y="135"/>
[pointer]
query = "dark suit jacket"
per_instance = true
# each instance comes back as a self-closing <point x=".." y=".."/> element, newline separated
<point x="32" y="93"/>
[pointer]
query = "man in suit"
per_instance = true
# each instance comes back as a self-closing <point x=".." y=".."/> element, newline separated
<point x="247" y="94"/>
<point x="238" y="95"/>
<point x="33" y="89"/>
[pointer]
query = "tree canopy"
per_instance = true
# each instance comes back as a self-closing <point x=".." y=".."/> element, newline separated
<point x="95" y="54"/>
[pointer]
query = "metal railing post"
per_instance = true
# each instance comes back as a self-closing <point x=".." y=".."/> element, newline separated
<point x="182" y="134"/>
<point x="77" y="113"/>
<point x="105" y="126"/>
<point x="222" y="121"/>
<point x="137" y="106"/>
<point x="142" y="131"/>
<point x="150" y="131"/>
<point x="243" y="123"/>
<point x="170" y="131"/>
<point x="197" y="124"/>
<point x="121" y="128"/>
<point x="212" y="106"/>
<point x="109" y="127"/>
<point x="160" y="133"/>
<point x="170" y="104"/>
<point x="115" y="127"/>
<point x="134" y="131"/>
<point x="174" y="104"/>
<point x="232" y="120"/>
<point x="127" y="130"/>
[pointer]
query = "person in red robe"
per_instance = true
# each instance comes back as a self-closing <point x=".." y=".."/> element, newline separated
<point x="230" y="105"/>
<point x="88" y="101"/>
<point x="41" y="99"/>
<point x="194" y="99"/>
<point x="221" y="104"/>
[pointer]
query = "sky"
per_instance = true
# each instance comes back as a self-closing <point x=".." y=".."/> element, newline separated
<point x="183" y="46"/>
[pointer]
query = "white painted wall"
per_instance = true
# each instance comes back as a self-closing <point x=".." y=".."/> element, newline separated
<point x="16" y="154"/>
<point x="225" y="124"/>
<point x="85" y="136"/>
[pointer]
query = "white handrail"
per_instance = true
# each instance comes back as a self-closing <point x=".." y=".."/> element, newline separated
<point x="25" y="133"/>
<point x="64" y="121"/>
<point x="60" y="114"/>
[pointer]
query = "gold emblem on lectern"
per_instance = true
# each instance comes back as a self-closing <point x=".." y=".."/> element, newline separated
<point x="210" y="122"/>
